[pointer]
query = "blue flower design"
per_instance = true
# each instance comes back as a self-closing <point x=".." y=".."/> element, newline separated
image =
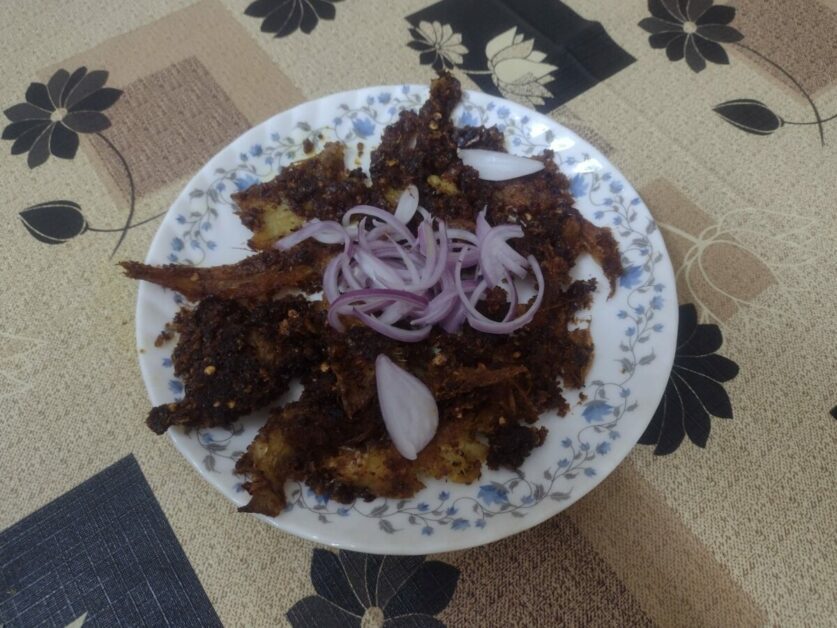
<point x="631" y="276"/>
<point x="195" y="244"/>
<point x="244" y="181"/>
<point x="427" y="531"/>
<point x="243" y="157"/>
<point x="181" y="219"/>
<point x="422" y="507"/>
<point x="658" y="327"/>
<point x="177" y="244"/>
<point x="596" y="410"/>
<point x="167" y="362"/>
<point x="657" y="302"/>
<point x="364" y="127"/>
<point x="343" y="511"/>
<point x="658" y="287"/>
<point x="567" y="443"/>
<point x="468" y="119"/>
<point x="528" y="499"/>
<point x="635" y="201"/>
<point x="493" y="494"/>
<point x="598" y="215"/>
<point x="450" y="512"/>
<point x="630" y="331"/>
<point x="563" y="462"/>
<point x="384" y="97"/>
<point x="480" y="523"/>
<point x="578" y="186"/>
<point x="444" y="495"/>
<point x="405" y="89"/>
<point x="602" y="448"/>
<point x="337" y="121"/>
<point x="172" y="258"/>
<point x="589" y="472"/>
<point x="370" y="100"/>
<point x="274" y="137"/>
<point x="524" y="120"/>
<point x="625" y="393"/>
<point x="616" y="187"/>
<point x="221" y="187"/>
<point x="460" y="524"/>
<point x="256" y="150"/>
<point x="503" y="113"/>
<point x="617" y="220"/>
<point x="210" y="244"/>
<point x="176" y="386"/>
<point x="622" y="314"/>
<point x="614" y="435"/>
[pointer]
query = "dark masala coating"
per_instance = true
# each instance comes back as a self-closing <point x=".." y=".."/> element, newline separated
<point x="490" y="389"/>
<point x="235" y="358"/>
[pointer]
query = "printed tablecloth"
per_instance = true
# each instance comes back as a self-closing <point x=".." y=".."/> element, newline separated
<point x="724" y="116"/>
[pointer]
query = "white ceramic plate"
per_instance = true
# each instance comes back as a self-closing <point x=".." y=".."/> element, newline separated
<point x="634" y="332"/>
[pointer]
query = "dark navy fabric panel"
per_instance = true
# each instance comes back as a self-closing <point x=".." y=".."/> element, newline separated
<point x="105" y="549"/>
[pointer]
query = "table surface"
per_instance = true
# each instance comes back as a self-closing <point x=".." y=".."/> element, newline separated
<point x="723" y="117"/>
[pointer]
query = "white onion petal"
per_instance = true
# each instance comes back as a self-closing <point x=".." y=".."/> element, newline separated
<point x="409" y="410"/>
<point x="496" y="166"/>
<point x="407" y="204"/>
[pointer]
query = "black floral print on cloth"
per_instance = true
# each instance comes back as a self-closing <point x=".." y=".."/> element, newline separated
<point x="695" y="30"/>
<point x="694" y="391"/>
<point x="49" y="123"/>
<point x="285" y="17"/>
<point x="538" y="52"/>
<point x="356" y="589"/>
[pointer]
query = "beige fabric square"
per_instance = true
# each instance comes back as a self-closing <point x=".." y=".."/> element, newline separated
<point x="798" y="35"/>
<point x="167" y="124"/>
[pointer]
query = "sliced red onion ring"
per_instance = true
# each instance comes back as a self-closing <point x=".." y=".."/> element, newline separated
<point x="384" y="216"/>
<point x="401" y="284"/>
<point x="408" y="408"/>
<point x="496" y="166"/>
<point x="480" y="322"/>
<point x="325" y="231"/>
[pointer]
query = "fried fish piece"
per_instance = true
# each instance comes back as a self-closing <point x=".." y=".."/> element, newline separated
<point x="421" y="149"/>
<point x="294" y="441"/>
<point x="260" y="275"/>
<point x="235" y="358"/>
<point x="319" y="187"/>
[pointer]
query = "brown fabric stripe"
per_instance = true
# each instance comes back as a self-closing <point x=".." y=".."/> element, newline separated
<point x="663" y="564"/>
<point x="548" y="576"/>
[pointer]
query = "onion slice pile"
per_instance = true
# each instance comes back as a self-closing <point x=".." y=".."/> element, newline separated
<point x="401" y="283"/>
